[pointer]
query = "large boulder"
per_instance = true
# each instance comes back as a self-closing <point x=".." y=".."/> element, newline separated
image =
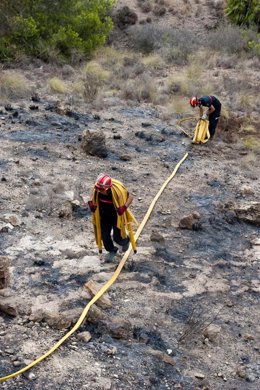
<point x="248" y="212"/>
<point x="191" y="221"/>
<point x="94" y="143"/>
<point x="4" y="271"/>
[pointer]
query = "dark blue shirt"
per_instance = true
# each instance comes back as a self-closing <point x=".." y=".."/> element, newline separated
<point x="207" y="101"/>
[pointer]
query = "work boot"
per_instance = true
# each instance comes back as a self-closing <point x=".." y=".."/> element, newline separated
<point x="125" y="247"/>
<point x="109" y="257"/>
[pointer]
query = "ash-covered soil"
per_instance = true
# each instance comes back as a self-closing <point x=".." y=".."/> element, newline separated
<point x="184" y="312"/>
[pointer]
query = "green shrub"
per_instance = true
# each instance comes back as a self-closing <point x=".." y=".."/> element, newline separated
<point x="66" y="27"/>
<point x="253" y="41"/>
<point x="244" y="12"/>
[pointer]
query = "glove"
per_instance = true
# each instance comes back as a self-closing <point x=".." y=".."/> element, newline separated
<point x="92" y="206"/>
<point x="121" y="210"/>
<point x="204" y="117"/>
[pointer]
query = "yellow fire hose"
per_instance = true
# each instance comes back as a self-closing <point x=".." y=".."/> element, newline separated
<point x="106" y="286"/>
<point x="179" y="122"/>
<point x="201" y="132"/>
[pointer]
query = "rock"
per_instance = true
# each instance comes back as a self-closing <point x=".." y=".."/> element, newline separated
<point x="4" y="271"/>
<point x="190" y="222"/>
<point x="37" y="316"/>
<point x="241" y="372"/>
<point x="199" y="375"/>
<point x="6" y="227"/>
<point x="247" y="190"/>
<point x="9" y="351"/>
<point x="117" y="328"/>
<point x="29" y="375"/>
<point x="159" y="10"/>
<point x="248" y="336"/>
<point x="66" y="211"/>
<point x="150" y="136"/>
<point x="12" y="219"/>
<point x="35" y="98"/>
<point x="17" y="363"/>
<point x="85" y="336"/>
<point x="8" y="307"/>
<point x="163" y="356"/>
<point x="96" y="315"/>
<point x="212" y="332"/>
<point x="248" y="212"/>
<point x="125" y="157"/>
<point x="94" y="288"/>
<point x="57" y="320"/>
<point x="117" y="136"/>
<point x="111" y="351"/>
<point x="69" y="195"/>
<point x="157" y="237"/>
<point x="94" y="143"/>
<point x="230" y="217"/>
<point x="104" y="384"/>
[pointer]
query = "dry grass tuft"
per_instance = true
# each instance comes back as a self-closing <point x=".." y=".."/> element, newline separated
<point x="92" y="78"/>
<point x="109" y="56"/>
<point x="246" y="101"/>
<point x="153" y="61"/>
<point x="14" y="85"/>
<point x="252" y="142"/>
<point x="57" y="85"/>
<point x="175" y="106"/>
<point x="190" y="82"/>
<point x="140" y="89"/>
<point x="247" y="128"/>
<point x="95" y="69"/>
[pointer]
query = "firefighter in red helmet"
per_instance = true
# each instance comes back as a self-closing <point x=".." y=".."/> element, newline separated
<point x="109" y="205"/>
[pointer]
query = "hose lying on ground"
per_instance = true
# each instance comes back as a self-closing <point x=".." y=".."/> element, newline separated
<point x="106" y="286"/>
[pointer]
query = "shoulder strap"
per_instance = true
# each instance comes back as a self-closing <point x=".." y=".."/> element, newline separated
<point x="210" y="100"/>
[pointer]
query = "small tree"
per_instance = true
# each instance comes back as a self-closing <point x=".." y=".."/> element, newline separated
<point x="244" y="12"/>
<point x="37" y="27"/>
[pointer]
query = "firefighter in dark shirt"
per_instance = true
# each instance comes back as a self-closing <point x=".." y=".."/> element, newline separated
<point x="213" y="112"/>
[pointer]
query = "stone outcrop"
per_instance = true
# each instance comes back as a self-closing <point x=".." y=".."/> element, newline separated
<point x="4" y="272"/>
<point x="94" y="143"/>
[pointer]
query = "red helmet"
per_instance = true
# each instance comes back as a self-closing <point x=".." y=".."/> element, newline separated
<point x="194" y="101"/>
<point x="103" y="181"/>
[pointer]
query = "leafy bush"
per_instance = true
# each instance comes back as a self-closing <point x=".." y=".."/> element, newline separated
<point x="62" y="27"/>
<point x="227" y="38"/>
<point x="173" y="45"/>
<point x="244" y="12"/>
<point x="253" y="41"/>
<point x="145" y="38"/>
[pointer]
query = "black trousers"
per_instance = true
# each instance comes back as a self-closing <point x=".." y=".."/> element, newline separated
<point x="108" y="223"/>
<point x="213" y="121"/>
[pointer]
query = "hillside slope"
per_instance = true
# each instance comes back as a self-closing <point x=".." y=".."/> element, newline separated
<point x="184" y="312"/>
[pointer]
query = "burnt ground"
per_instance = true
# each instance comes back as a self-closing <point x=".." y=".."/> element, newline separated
<point x="179" y="282"/>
